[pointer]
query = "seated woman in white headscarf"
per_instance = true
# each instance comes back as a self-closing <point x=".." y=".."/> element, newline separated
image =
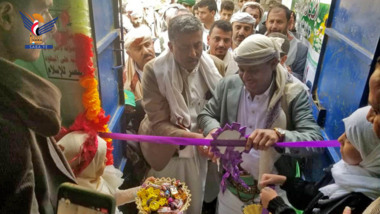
<point x="354" y="181"/>
<point x="86" y="154"/>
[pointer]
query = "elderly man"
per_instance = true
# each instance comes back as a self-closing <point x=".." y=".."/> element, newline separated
<point x="139" y="47"/>
<point x="277" y="21"/>
<point x="220" y="42"/>
<point x="176" y="85"/>
<point x="31" y="164"/>
<point x="264" y="99"/>
<point x="243" y="25"/>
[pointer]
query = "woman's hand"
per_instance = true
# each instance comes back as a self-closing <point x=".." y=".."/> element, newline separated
<point x="266" y="195"/>
<point x="272" y="179"/>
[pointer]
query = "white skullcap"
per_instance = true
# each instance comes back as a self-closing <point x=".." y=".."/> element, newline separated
<point x="137" y="33"/>
<point x="243" y="17"/>
<point x="257" y="49"/>
<point x="137" y="12"/>
<point x="132" y="6"/>
<point x="247" y="4"/>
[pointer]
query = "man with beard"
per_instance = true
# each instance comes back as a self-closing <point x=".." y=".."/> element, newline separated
<point x="176" y="85"/>
<point x="219" y="40"/>
<point x="139" y="47"/>
<point x="243" y="25"/>
<point x="273" y="108"/>
<point x="277" y="21"/>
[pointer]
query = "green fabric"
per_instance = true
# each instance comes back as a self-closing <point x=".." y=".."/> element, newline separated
<point x="249" y="181"/>
<point x="129" y="98"/>
<point x="298" y="174"/>
<point x="187" y="2"/>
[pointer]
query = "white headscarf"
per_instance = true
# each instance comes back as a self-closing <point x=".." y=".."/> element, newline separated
<point x="243" y="17"/>
<point x="137" y="33"/>
<point x="365" y="177"/>
<point x="257" y="49"/>
<point x="71" y="145"/>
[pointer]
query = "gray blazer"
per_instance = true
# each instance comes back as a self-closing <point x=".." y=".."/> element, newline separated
<point x="298" y="66"/>
<point x="223" y="108"/>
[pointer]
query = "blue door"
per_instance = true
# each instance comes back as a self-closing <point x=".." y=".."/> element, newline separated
<point x="347" y="59"/>
<point x="105" y="26"/>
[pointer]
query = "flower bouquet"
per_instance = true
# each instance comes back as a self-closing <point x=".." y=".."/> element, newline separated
<point x="163" y="195"/>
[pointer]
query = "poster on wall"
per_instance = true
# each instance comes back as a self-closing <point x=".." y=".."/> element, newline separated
<point x="311" y="20"/>
<point x="60" y="60"/>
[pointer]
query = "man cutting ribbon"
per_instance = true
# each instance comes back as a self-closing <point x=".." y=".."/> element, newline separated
<point x="264" y="98"/>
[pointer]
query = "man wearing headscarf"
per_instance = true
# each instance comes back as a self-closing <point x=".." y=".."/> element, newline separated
<point x="137" y="17"/>
<point x="176" y="85"/>
<point x="139" y="47"/>
<point x="354" y="181"/>
<point x="255" y="10"/>
<point x="263" y="98"/>
<point x="243" y="25"/>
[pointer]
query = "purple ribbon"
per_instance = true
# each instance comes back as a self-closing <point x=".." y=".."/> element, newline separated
<point x="210" y="142"/>
<point x="230" y="159"/>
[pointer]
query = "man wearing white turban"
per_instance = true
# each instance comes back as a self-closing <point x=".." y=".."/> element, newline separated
<point x="255" y="10"/>
<point x="243" y="25"/>
<point x="139" y="47"/>
<point x="265" y="99"/>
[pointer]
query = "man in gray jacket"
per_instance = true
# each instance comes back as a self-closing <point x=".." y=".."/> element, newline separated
<point x="277" y="21"/>
<point x="265" y="99"/>
<point x="31" y="165"/>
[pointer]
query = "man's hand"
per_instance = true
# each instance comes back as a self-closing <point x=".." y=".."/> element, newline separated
<point x="261" y="139"/>
<point x="266" y="195"/>
<point x="206" y="150"/>
<point x="272" y="179"/>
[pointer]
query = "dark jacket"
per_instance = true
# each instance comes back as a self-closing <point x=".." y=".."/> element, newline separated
<point x="306" y="196"/>
<point x="31" y="165"/>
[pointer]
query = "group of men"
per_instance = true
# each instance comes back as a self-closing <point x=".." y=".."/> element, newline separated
<point x="220" y="37"/>
<point x="183" y="91"/>
<point x="214" y="73"/>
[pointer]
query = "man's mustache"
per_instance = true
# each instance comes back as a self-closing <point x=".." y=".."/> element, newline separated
<point x="148" y="56"/>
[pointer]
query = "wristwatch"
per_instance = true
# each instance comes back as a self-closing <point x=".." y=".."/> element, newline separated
<point x="280" y="133"/>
